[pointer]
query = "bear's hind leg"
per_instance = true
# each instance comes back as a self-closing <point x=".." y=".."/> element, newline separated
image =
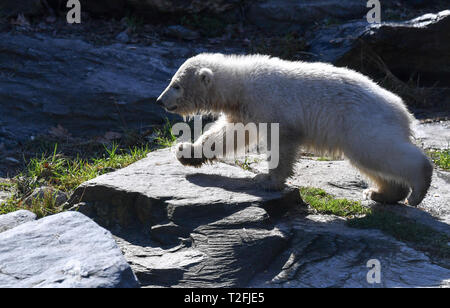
<point x="387" y="191"/>
<point x="394" y="165"/>
<point x="421" y="180"/>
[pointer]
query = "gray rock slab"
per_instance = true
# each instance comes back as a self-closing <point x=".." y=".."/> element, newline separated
<point x="12" y="220"/>
<point x="213" y="227"/>
<point x="326" y="253"/>
<point x="433" y="135"/>
<point x="66" y="250"/>
<point x="188" y="227"/>
<point x="46" y="81"/>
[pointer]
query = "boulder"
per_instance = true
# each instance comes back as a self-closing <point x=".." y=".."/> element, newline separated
<point x="179" y="227"/>
<point x="12" y="220"/>
<point x="66" y="250"/>
<point x="274" y="15"/>
<point x="89" y="90"/>
<point x="411" y="48"/>
<point x="325" y="253"/>
<point x="214" y="227"/>
<point x="46" y="81"/>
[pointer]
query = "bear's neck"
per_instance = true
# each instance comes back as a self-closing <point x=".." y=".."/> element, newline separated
<point x="228" y="91"/>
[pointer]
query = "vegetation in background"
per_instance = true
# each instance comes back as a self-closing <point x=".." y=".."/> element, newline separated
<point x="164" y="136"/>
<point x="63" y="171"/>
<point x="440" y="158"/>
<point x="207" y="26"/>
<point x="133" y="22"/>
<point x="324" y="159"/>
<point x="246" y="163"/>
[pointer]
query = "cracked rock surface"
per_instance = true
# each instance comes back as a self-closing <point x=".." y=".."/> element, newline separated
<point x="213" y="227"/>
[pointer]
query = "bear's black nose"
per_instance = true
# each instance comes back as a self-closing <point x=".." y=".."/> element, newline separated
<point x="159" y="102"/>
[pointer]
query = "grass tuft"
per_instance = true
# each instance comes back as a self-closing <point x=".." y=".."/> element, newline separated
<point x="324" y="203"/>
<point x="164" y="136"/>
<point x="440" y="158"/>
<point x="64" y="174"/>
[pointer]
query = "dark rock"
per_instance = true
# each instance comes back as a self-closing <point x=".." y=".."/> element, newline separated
<point x="181" y="32"/>
<point x="12" y="220"/>
<point x="66" y="250"/>
<point x="152" y="8"/>
<point x="11" y="8"/>
<point x="418" y="46"/>
<point x="274" y="15"/>
<point x="184" y="6"/>
<point x="46" y="81"/>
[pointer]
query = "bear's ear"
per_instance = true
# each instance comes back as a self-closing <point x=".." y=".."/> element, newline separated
<point x="206" y="76"/>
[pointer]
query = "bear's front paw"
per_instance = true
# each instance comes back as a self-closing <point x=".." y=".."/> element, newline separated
<point x="185" y="155"/>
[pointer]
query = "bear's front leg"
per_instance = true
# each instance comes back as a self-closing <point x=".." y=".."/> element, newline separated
<point x="287" y="153"/>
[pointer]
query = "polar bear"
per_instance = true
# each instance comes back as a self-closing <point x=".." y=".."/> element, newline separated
<point x="331" y="110"/>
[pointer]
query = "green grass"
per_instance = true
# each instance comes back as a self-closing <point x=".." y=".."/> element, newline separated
<point x="417" y="235"/>
<point x="323" y="159"/>
<point x="440" y="158"/>
<point x="133" y="23"/>
<point x="64" y="166"/>
<point x="6" y="186"/>
<point x="64" y="174"/>
<point x="324" y="203"/>
<point x="164" y="136"/>
<point x="67" y="173"/>
<point x="406" y="230"/>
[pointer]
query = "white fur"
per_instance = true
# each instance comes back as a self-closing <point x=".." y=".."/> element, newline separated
<point x="331" y="110"/>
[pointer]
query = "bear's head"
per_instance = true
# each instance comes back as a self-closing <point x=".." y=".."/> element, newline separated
<point x="189" y="91"/>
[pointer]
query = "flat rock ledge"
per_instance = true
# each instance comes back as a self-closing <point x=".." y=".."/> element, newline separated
<point x="66" y="250"/>
<point x="212" y="227"/>
<point x="179" y="226"/>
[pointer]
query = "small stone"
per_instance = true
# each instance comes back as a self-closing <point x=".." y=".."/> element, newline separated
<point x="123" y="37"/>
<point x="41" y="193"/>
<point x="181" y="32"/>
<point x="14" y="219"/>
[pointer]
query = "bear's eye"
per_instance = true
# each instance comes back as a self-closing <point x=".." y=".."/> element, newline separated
<point x="176" y="87"/>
